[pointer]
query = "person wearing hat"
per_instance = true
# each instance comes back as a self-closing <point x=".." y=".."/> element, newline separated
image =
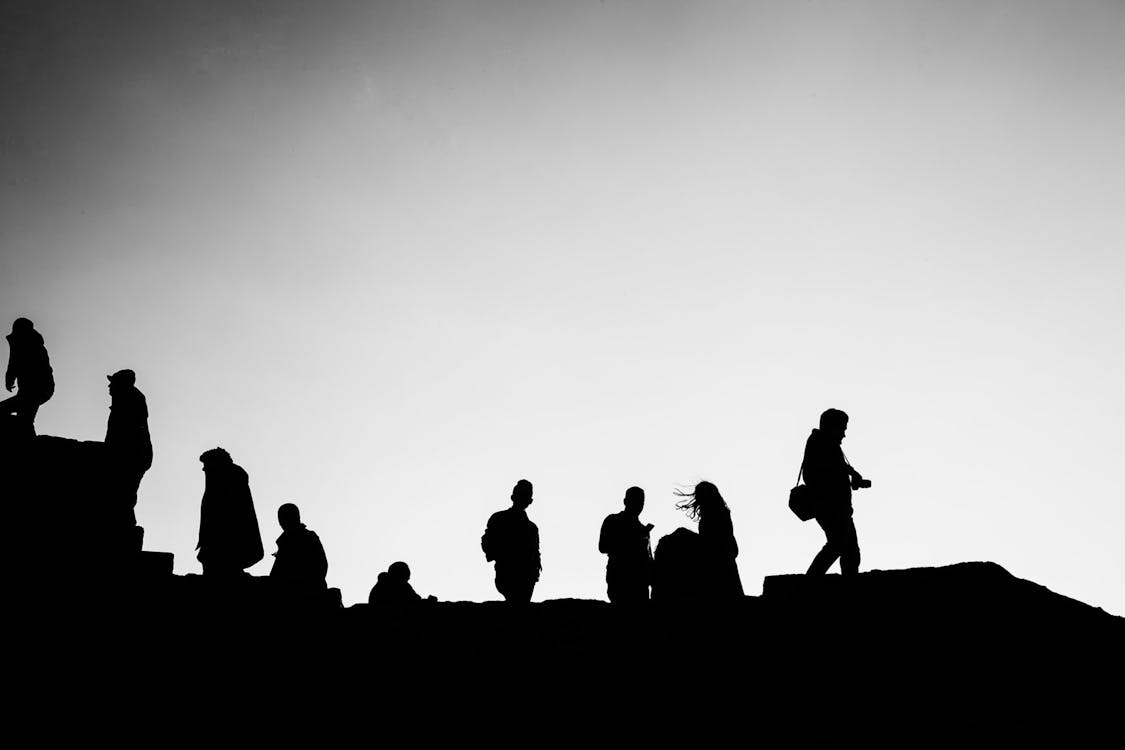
<point x="126" y="435"/>
<point x="229" y="539"/>
<point x="29" y="367"/>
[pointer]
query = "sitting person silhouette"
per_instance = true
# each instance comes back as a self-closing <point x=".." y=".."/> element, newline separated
<point x="831" y="479"/>
<point x="511" y="540"/>
<point x="29" y="368"/>
<point x="126" y="435"/>
<point x="717" y="545"/>
<point x="229" y="540"/>
<point x="393" y="587"/>
<point x="300" y="556"/>
<point x="628" y="571"/>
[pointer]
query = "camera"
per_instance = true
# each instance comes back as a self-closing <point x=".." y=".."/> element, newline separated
<point x="861" y="484"/>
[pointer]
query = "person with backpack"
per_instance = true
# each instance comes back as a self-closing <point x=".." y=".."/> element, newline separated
<point x="625" y="540"/>
<point x="29" y="371"/>
<point x="511" y="540"/>
<point x="831" y="480"/>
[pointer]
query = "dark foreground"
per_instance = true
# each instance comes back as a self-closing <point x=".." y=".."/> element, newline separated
<point x="965" y="654"/>
<point x="106" y="646"/>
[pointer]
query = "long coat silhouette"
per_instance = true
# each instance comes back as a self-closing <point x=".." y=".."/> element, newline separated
<point x="720" y="550"/>
<point x="229" y="539"/>
<point x="126" y="435"/>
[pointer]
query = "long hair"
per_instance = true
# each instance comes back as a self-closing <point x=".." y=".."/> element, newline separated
<point x="695" y="503"/>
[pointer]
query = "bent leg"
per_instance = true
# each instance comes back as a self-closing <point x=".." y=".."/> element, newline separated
<point x="828" y="553"/>
<point x="848" y="544"/>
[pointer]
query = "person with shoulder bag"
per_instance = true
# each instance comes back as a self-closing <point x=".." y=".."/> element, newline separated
<point x="827" y="494"/>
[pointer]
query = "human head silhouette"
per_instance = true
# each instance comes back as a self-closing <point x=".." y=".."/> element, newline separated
<point x="834" y="423"/>
<point x="215" y="458"/>
<point x="399" y="571"/>
<point x="700" y="501"/>
<point x="289" y="517"/>
<point x="521" y="494"/>
<point x="120" y="380"/>
<point x="22" y="325"/>
<point x="635" y="500"/>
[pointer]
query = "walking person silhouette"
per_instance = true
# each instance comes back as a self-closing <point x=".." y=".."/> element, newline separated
<point x="832" y="479"/>
<point x="229" y="539"/>
<point x="719" y="548"/>
<point x="628" y="571"/>
<point x="511" y="540"/>
<point x="29" y="368"/>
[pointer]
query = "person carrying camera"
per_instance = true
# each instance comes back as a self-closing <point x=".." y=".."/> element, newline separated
<point x="829" y="475"/>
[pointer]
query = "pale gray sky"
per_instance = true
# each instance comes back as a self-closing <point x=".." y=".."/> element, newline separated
<point x="396" y="256"/>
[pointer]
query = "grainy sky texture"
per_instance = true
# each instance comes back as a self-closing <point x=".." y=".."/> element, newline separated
<point x="396" y="256"/>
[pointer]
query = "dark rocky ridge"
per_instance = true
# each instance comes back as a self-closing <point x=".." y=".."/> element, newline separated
<point x="111" y="646"/>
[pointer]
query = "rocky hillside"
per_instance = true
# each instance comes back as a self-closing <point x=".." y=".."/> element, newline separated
<point x="109" y="646"/>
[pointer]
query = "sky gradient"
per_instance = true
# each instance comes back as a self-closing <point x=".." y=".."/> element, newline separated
<point x="396" y="256"/>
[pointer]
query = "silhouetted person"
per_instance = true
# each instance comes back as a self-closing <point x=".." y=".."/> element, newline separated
<point x="718" y="547"/>
<point x="677" y="567"/>
<point x="512" y="541"/>
<point x="300" y="556"/>
<point x="126" y="434"/>
<point x="832" y="479"/>
<point x="229" y="540"/>
<point x="628" y="571"/>
<point x="29" y="368"/>
<point x="393" y="587"/>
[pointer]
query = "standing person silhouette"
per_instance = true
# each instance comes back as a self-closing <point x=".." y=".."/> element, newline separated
<point x="229" y="539"/>
<point x="718" y="545"/>
<point x="126" y="433"/>
<point x="832" y="479"/>
<point x="511" y="540"/>
<point x="628" y="571"/>
<point x="29" y="367"/>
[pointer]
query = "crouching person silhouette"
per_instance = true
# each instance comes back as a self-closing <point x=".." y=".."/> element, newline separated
<point x="628" y="571"/>
<point x="29" y="368"/>
<point x="229" y="540"/>
<point x="511" y="540"/>
<point x="832" y="479"/>
<point x="300" y="557"/>
<point x="393" y="588"/>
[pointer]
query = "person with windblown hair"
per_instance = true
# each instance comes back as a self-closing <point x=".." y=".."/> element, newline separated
<point x="229" y="539"/>
<point x="718" y="547"/>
